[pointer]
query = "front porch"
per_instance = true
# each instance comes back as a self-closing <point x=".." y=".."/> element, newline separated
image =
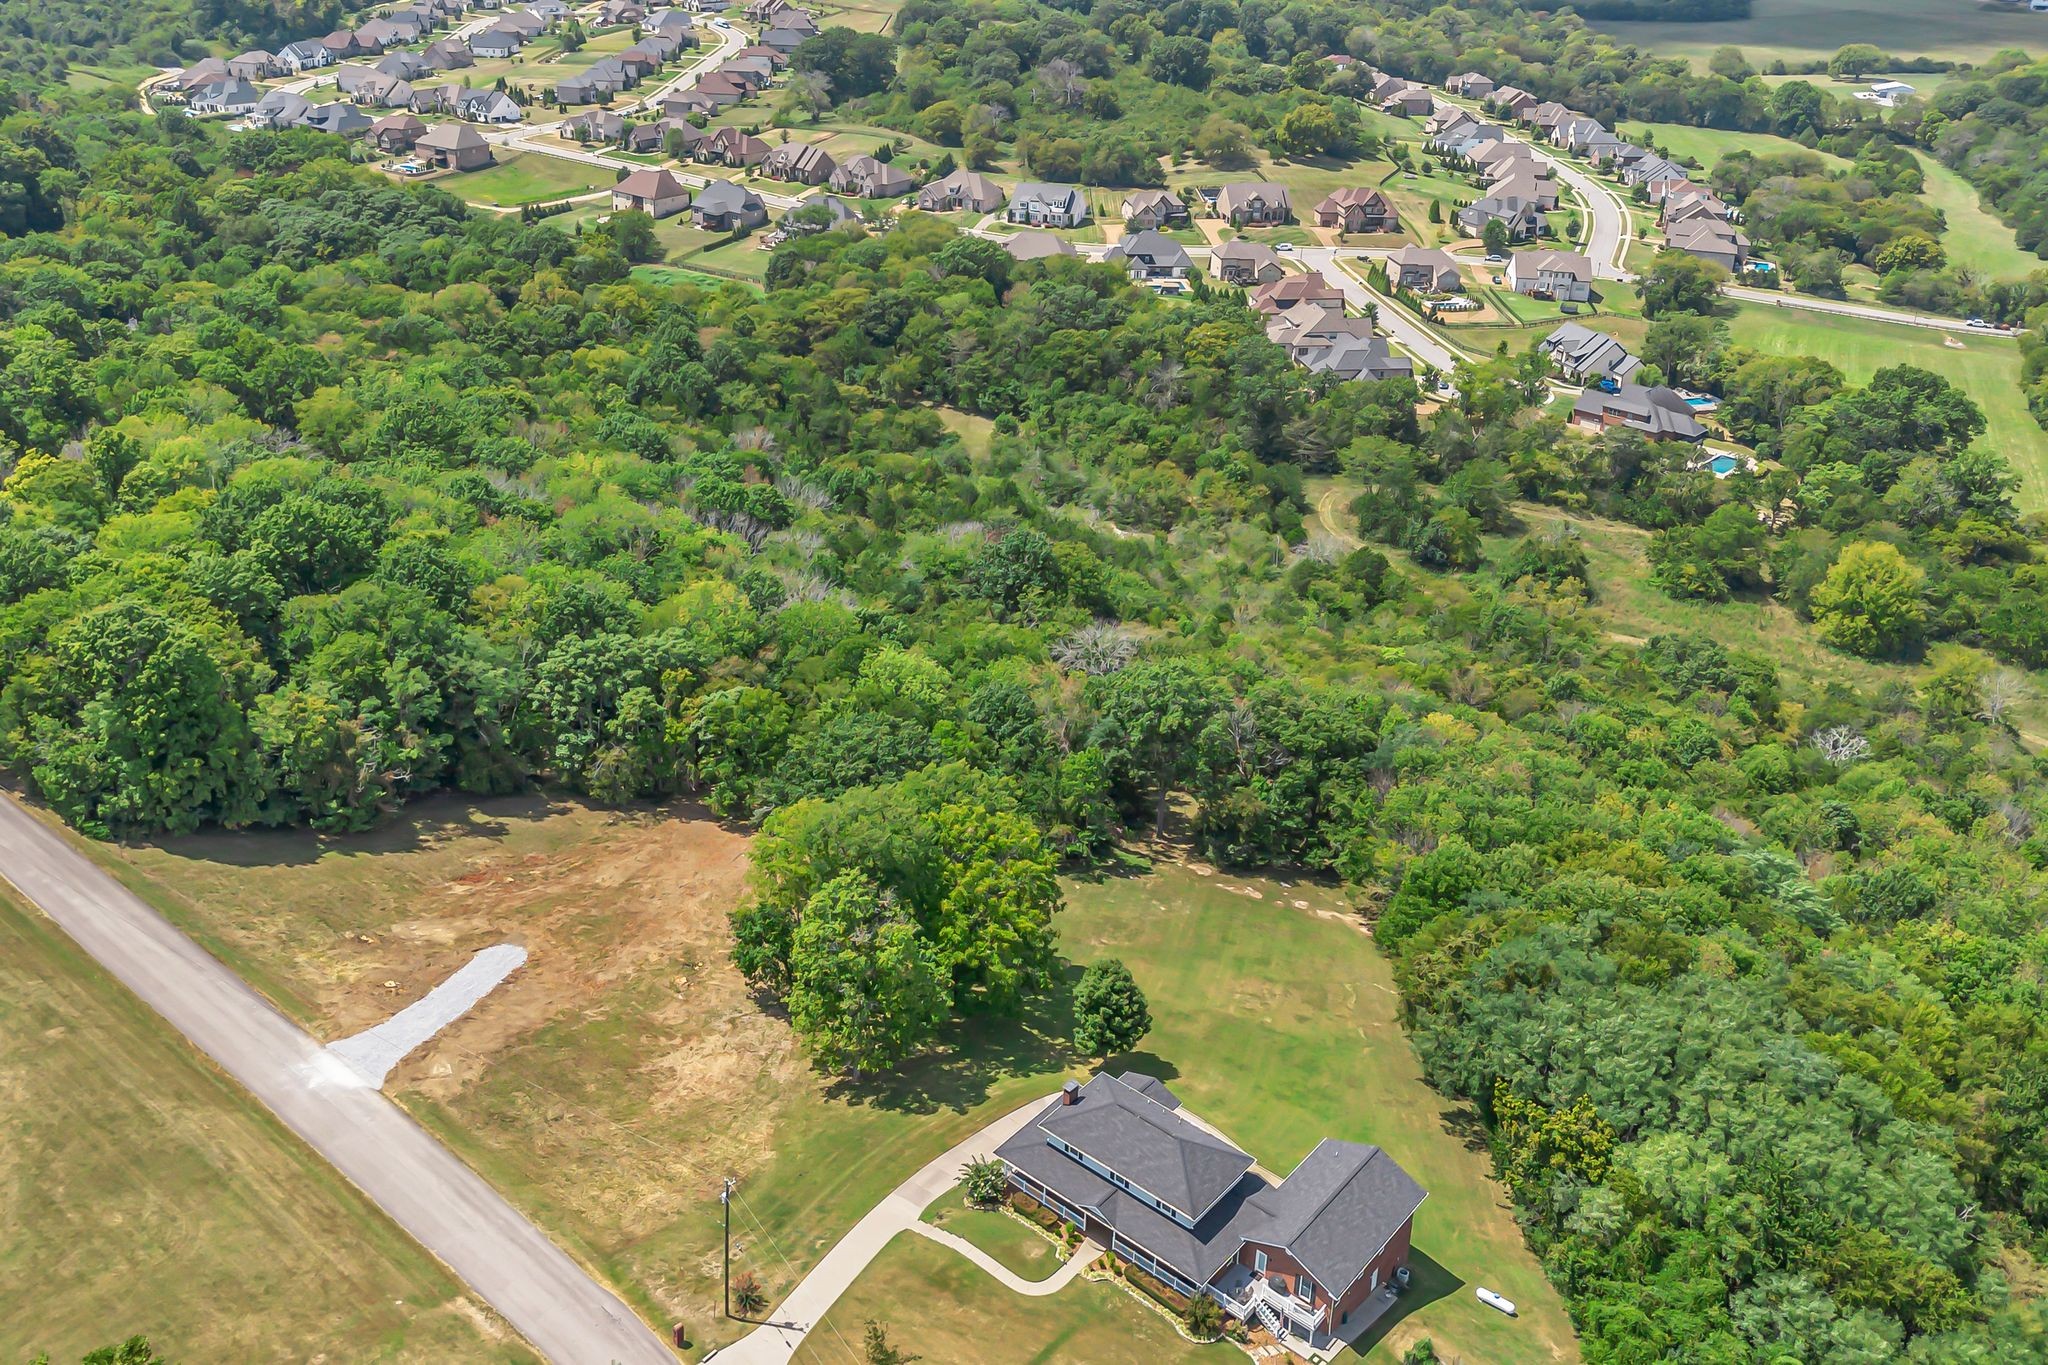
<point x="1308" y="1333"/>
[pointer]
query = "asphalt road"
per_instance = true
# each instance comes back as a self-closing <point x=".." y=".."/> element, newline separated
<point x="424" y="1188"/>
<point x="1411" y="336"/>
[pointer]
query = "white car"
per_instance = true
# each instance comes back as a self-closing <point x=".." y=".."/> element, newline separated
<point x="1283" y="246"/>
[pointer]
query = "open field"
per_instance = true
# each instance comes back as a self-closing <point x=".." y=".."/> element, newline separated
<point x="141" y="1191"/>
<point x="1803" y="30"/>
<point x="1708" y="145"/>
<point x="949" y="1312"/>
<point x="1986" y="367"/>
<point x="608" y="1085"/>
<point x="107" y="77"/>
<point x="1975" y="236"/>
<point x="529" y="178"/>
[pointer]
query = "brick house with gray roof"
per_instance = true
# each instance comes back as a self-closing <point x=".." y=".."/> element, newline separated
<point x="1312" y="1258"/>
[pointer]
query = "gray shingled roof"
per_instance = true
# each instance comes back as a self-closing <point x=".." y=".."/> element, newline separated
<point x="1334" y="1214"/>
<point x="1337" y="1209"/>
<point x="1148" y="1144"/>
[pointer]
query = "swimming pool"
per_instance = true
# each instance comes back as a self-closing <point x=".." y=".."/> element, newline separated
<point x="1701" y="404"/>
<point x="1724" y="465"/>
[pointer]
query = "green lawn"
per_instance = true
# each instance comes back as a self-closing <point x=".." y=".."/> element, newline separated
<point x="1275" y="1018"/>
<point x="606" y="1088"/>
<point x="1006" y="1238"/>
<point x="1708" y="145"/>
<point x="107" y="77"/>
<point x="142" y="1191"/>
<point x="1975" y="236"/>
<point x="743" y="257"/>
<point x="529" y="178"/>
<point x="1986" y="367"/>
<point x="1803" y="30"/>
<point x="942" y="1308"/>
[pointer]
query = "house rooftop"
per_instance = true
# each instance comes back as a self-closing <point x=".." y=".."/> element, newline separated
<point x="1129" y="1130"/>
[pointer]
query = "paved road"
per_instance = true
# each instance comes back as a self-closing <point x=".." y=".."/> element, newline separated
<point x="1869" y="311"/>
<point x="424" y="1188"/>
<point x="1412" y="336"/>
<point x="775" y="1342"/>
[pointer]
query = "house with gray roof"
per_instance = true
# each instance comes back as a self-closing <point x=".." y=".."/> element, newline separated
<point x="296" y="58"/>
<point x="1580" y="353"/>
<point x="340" y="118"/>
<point x="866" y="177"/>
<point x="722" y="206"/>
<point x="1150" y="254"/>
<point x="963" y="189"/>
<point x="256" y="65"/>
<point x="279" y="109"/>
<point x="1245" y="263"/>
<point x="1253" y="203"/>
<point x="1036" y="246"/>
<point x="805" y="163"/>
<point x="231" y="96"/>
<point x="1313" y="1258"/>
<point x="1043" y="205"/>
<point x="1658" y="413"/>
<point x="1523" y="218"/>
<point x="1429" y="269"/>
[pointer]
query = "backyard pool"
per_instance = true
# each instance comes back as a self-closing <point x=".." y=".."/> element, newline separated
<point x="1724" y="465"/>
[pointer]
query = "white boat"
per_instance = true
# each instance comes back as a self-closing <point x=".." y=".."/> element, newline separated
<point x="1493" y="1300"/>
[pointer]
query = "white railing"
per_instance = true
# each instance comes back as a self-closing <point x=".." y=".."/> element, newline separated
<point x="1261" y="1294"/>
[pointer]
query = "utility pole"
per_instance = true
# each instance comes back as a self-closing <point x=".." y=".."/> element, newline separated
<point x="725" y="1203"/>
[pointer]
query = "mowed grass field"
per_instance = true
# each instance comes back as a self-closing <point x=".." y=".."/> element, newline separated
<point x="1974" y="235"/>
<point x="609" y="1085"/>
<point x="1986" y="367"/>
<point x="947" y="1311"/>
<point x="142" y="1191"/>
<point x="528" y="178"/>
<point x="1802" y="30"/>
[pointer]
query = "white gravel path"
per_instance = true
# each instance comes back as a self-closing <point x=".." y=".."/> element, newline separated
<point x="373" y="1052"/>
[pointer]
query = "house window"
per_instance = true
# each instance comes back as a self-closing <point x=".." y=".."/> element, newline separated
<point x="1258" y="1262"/>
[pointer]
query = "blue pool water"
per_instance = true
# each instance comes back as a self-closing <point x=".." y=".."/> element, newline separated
<point x="1723" y="464"/>
<point x="1697" y="403"/>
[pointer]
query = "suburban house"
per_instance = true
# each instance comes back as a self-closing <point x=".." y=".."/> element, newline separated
<point x="617" y="13"/>
<point x="339" y="118"/>
<point x="497" y="42"/>
<point x="1546" y="116"/>
<point x="280" y="109"/>
<point x="376" y="88"/>
<point x="721" y="88"/>
<point x="1563" y="275"/>
<point x="1710" y="239"/>
<point x="209" y="71"/>
<point x="1357" y="209"/>
<point x="598" y="125"/>
<point x="1150" y="254"/>
<point x="1512" y="101"/>
<point x="1495" y="153"/>
<point x="1153" y="209"/>
<point x="1413" y="100"/>
<point x="1471" y="85"/>
<point x="962" y="189"/>
<point x="1690" y="201"/>
<point x="1528" y="186"/>
<point x="297" y="58"/>
<point x="1309" y="1258"/>
<point x="1245" y="263"/>
<point x="378" y="34"/>
<point x="1324" y="341"/>
<point x="803" y="163"/>
<point x="801" y="221"/>
<point x="1043" y="205"/>
<point x="232" y="96"/>
<point x="341" y="44"/>
<point x="673" y="22"/>
<point x="453" y="146"/>
<point x="448" y="54"/>
<point x="731" y="148"/>
<point x="1368" y="359"/>
<point x="1523" y="218"/>
<point x="1580" y="353"/>
<point x="1035" y="246"/>
<point x="681" y="134"/>
<point x="1651" y="169"/>
<point x="1254" y="202"/>
<point x="865" y="177"/>
<point x="1293" y="291"/>
<point x="652" y="190"/>
<point x="1425" y="268"/>
<point x="253" y="66"/>
<point x="1658" y="413"/>
<point x="405" y="66"/>
<point x="396" y="132"/>
<point x="487" y="106"/>
<point x="644" y="139"/>
<point x="722" y="206"/>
